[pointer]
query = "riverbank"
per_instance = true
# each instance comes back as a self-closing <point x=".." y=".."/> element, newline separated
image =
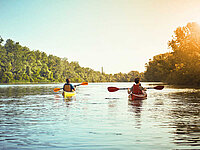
<point x="152" y="83"/>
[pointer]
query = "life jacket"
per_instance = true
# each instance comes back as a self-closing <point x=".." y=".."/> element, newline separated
<point x="136" y="89"/>
<point x="67" y="88"/>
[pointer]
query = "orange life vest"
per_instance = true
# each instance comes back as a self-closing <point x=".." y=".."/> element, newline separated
<point x="136" y="89"/>
<point x="68" y="88"/>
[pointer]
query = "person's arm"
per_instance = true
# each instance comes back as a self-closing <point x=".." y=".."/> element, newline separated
<point x="73" y="88"/>
<point x="142" y="88"/>
<point x="63" y="87"/>
<point x="130" y="90"/>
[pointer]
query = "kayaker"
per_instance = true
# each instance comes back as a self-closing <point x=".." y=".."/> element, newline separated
<point x="68" y="87"/>
<point x="136" y="88"/>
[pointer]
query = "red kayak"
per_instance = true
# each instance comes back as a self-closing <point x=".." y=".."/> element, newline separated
<point x="138" y="96"/>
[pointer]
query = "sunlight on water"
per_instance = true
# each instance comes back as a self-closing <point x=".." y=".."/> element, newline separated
<point x="35" y="117"/>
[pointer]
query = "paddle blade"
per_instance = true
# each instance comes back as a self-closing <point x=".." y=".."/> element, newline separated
<point x="84" y="83"/>
<point x="160" y="87"/>
<point x="56" y="89"/>
<point x="113" y="89"/>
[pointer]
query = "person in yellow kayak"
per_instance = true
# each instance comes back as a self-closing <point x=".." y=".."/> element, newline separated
<point x="136" y="88"/>
<point x="68" y="87"/>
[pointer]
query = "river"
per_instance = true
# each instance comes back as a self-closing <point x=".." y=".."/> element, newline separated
<point x="34" y="117"/>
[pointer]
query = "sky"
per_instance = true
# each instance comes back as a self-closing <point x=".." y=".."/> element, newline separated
<point x="118" y="35"/>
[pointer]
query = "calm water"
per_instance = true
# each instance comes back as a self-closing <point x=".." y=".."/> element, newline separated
<point x="35" y="117"/>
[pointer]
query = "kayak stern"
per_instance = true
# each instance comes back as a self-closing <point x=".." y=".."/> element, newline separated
<point x="68" y="94"/>
<point x="138" y="96"/>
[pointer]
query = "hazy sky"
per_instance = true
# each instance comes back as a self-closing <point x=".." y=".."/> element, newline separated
<point x="120" y="35"/>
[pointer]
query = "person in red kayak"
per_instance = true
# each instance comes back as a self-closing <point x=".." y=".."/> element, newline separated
<point x="136" y="88"/>
<point x="68" y="87"/>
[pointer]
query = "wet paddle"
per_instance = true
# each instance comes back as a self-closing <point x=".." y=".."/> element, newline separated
<point x="160" y="87"/>
<point x="58" y="89"/>
<point x="114" y="89"/>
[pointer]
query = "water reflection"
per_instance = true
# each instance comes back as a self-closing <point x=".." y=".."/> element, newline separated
<point x="135" y="106"/>
<point x="68" y="100"/>
<point x="36" y="117"/>
<point x="185" y="117"/>
<point x="21" y="91"/>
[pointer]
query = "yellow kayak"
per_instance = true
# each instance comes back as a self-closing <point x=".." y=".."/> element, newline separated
<point x="68" y="94"/>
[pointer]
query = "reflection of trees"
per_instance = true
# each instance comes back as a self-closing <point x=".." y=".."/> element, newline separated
<point x="20" y="91"/>
<point x="186" y="120"/>
<point x="16" y="102"/>
<point x="29" y="112"/>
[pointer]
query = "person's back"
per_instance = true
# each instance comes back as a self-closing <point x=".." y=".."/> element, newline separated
<point x="136" y="89"/>
<point x="68" y="87"/>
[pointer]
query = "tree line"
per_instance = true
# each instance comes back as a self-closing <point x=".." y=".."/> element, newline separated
<point x="19" y="64"/>
<point x="181" y="66"/>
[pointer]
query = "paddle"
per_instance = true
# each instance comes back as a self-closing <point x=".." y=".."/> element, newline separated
<point x="160" y="87"/>
<point x="58" y="89"/>
<point x="114" y="89"/>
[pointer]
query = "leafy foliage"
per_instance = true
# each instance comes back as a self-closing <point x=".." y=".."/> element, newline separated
<point x="19" y="64"/>
<point x="182" y="65"/>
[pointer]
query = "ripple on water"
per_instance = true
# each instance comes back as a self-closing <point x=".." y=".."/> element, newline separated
<point x="34" y="117"/>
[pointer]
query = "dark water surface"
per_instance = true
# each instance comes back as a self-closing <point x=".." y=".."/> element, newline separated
<point x="35" y="117"/>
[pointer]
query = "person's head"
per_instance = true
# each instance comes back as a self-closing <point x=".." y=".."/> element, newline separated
<point x="68" y="81"/>
<point x="137" y="80"/>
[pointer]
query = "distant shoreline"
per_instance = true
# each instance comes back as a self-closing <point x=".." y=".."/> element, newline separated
<point x="153" y="83"/>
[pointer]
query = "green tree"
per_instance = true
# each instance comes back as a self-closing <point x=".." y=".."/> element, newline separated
<point x="182" y="65"/>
